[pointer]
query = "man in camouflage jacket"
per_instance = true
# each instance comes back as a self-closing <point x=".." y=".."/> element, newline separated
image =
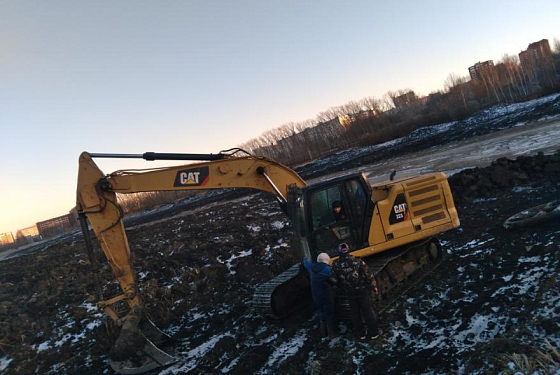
<point x="354" y="277"/>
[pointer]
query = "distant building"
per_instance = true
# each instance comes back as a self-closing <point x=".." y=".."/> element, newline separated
<point x="6" y="238"/>
<point x="435" y="98"/>
<point x="269" y="151"/>
<point x="334" y="127"/>
<point x="57" y="225"/>
<point x="481" y="69"/>
<point x="319" y="135"/>
<point x="464" y="92"/>
<point x="27" y="235"/>
<point x="405" y="99"/>
<point x="536" y="54"/>
<point x="538" y="65"/>
<point x="347" y="120"/>
<point x="307" y="144"/>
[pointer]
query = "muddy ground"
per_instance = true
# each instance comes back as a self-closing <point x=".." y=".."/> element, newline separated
<point x="496" y="295"/>
<point x="493" y="306"/>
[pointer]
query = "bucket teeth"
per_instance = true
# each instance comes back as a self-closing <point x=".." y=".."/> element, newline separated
<point x="150" y="356"/>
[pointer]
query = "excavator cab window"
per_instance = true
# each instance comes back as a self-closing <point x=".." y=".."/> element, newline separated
<point x="321" y="203"/>
<point x="336" y="215"/>
<point x="358" y="197"/>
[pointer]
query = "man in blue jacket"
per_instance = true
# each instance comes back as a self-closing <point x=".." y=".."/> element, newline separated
<point x="321" y="289"/>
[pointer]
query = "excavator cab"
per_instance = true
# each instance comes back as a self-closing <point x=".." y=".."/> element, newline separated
<point x="332" y="212"/>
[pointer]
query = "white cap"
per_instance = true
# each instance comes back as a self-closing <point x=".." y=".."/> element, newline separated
<point x="324" y="258"/>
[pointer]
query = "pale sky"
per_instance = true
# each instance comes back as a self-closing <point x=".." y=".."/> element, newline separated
<point x="202" y="76"/>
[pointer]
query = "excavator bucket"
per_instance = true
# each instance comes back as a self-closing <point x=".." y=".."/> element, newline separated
<point x="146" y="336"/>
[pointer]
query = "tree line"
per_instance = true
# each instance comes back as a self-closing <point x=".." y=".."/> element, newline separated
<point x="374" y="120"/>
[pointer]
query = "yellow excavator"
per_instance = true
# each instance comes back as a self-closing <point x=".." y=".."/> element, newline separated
<point x="391" y="225"/>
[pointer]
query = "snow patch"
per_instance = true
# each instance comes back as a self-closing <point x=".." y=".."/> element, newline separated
<point x="478" y="330"/>
<point x="521" y="189"/>
<point x="277" y="225"/>
<point x="232" y="258"/>
<point x="286" y="350"/>
<point x="529" y="260"/>
<point x="254" y="228"/>
<point x="191" y="357"/>
<point x="42" y="346"/>
<point x="4" y="363"/>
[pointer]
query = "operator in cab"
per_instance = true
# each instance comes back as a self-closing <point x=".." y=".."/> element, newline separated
<point x="338" y="210"/>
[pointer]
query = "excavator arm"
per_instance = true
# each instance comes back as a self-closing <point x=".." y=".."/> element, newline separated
<point x="96" y="201"/>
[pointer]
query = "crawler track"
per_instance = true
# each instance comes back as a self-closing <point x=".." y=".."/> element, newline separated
<point x="396" y="271"/>
<point x="282" y="295"/>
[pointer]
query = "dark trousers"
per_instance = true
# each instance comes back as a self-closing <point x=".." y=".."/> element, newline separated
<point x="325" y="312"/>
<point x="362" y="310"/>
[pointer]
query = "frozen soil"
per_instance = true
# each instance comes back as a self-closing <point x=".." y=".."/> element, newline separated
<point x="494" y="301"/>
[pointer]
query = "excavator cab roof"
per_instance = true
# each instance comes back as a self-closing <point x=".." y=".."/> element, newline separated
<point x="335" y="180"/>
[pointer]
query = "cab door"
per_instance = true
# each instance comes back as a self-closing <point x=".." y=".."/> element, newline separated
<point x="328" y="228"/>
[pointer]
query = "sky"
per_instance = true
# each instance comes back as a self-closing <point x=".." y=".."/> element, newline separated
<point x="203" y="76"/>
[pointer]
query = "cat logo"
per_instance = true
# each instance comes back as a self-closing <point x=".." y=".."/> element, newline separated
<point x="192" y="177"/>
<point x="399" y="212"/>
<point x="189" y="178"/>
<point x="399" y="208"/>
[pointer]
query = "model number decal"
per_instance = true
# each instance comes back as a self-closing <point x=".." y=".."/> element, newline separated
<point x="400" y="210"/>
<point x="192" y="177"/>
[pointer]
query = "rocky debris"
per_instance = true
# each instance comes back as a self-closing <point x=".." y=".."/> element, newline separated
<point x="522" y="173"/>
<point x="534" y="216"/>
<point x="495" y="294"/>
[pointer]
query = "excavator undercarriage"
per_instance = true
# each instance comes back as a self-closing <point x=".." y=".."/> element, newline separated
<point x="396" y="271"/>
<point x="282" y="295"/>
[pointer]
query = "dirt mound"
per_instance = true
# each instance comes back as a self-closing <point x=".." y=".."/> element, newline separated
<point x="523" y="172"/>
<point x="496" y="294"/>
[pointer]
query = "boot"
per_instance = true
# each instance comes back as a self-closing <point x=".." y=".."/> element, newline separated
<point x="323" y="328"/>
<point x="372" y="334"/>
<point x="331" y="329"/>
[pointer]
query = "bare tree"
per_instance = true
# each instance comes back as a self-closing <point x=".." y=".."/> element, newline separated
<point x="302" y="125"/>
<point x="351" y="107"/>
<point x="556" y="45"/>
<point x="451" y="81"/>
<point x="287" y="130"/>
<point x="515" y="83"/>
<point x="328" y="115"/>
<point x="455" y="85"/>
<point x="392" y="96"/>
<point x="299" y="141"/>
<point x="556" y="55"/>
<point x="387" y="101"/>
<point x="370" y="103"/>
